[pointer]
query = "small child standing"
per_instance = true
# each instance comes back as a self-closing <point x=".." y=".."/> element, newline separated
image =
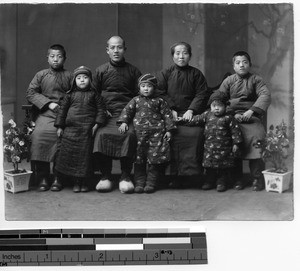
<point x="222" y="137"/>
<point x="81" y="113"/>
<point x="153" y="123"/>
<point x="249" y="100"/>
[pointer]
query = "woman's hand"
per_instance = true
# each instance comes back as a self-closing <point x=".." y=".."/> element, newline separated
<point x="238" y="117"/>
<point x="54" y="107"/>
<point x="188" y="115"/>
<point x="175" y="114"/>
<point x="168" y="136"/>
<point x="123" y="128"/>
<point x="247" y="115"/>
<point x="59" y="132"/>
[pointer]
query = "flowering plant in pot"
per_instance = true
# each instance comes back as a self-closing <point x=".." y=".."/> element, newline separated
<point x="16" y="147"/>
<point x="274" y="150"/>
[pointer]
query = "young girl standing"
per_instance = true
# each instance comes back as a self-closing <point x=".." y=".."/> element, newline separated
<point x="222" y="141"/>
<point x="153" y="124"/>
<point x="81" y="113"/>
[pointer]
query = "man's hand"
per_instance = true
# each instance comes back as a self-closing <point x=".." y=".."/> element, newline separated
<point x="54" y="107"/>
<point x="123" y="128"/>
<point x="59" y="132"/>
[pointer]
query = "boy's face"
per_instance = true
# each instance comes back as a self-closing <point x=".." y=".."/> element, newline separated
<point x="241" y="65"/>
<point x="56" y="59"/>
<point x="181" y="56"/>
<point x="217" y="108"/>
<point x="115" y="49"/>
<point x="82" y="81"/>
<point x="146" y="89"/>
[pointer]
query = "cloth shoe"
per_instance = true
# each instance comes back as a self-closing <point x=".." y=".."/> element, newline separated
<point x="221" y="187"/>
<point x="257" y="185"/>
<point x="43" y="185"/>
<point x="139" y="189"/>
<point x="104" y="185"/>
<point x="126" y="186"/>
<point x="77" y="186"/>
<point x="207" y="186"/>
<point x="149" y="189"/>
<point x="84" y="187"/>
<point x="56" y="185"/>
<point x="238" y="185"/>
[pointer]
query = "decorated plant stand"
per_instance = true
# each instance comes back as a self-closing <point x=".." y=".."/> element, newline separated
<point x="277" y="182"/>
<point x="16" y="182"/>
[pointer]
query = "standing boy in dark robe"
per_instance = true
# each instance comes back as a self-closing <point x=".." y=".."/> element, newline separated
<point x="46" y="91"/>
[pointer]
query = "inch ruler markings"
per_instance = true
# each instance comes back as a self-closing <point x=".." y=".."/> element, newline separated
<point x="102" y="247"/>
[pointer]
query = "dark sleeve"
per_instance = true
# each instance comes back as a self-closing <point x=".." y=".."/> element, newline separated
<point x="199" y="103"/>
<point x="34" y="92"/>
<point x="97" y="79"/>
<point x="263" y="96"/>
<point x="166" y="112"/>
<point x="101" y="109"/>
<point x="162" y="88"/>
<point x="60" y="121"/>
<point x="127" y="113"/>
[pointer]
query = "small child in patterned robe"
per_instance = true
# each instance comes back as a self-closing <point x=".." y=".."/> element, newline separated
<point x="222" y="139"/>
<point x="153" y="123"/>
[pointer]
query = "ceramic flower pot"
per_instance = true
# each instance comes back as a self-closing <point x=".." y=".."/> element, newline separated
<point x="16" y="182"/>
<point x="277" y="182"/>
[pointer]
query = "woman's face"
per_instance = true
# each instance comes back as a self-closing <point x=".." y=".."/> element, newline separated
<point x="181" y="56"/>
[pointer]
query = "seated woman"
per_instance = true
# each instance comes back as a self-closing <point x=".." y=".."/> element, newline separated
<point x="185" y="89"/>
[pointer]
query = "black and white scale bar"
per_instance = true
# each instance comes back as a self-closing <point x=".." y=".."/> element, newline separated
<point x="126" y="257"/>
<point x="102" y="247"/>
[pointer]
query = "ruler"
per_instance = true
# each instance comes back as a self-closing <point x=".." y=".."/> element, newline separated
<point x="69" y="247"/>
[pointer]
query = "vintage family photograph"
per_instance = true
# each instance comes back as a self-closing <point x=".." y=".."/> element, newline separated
<point x="147" y="112"/>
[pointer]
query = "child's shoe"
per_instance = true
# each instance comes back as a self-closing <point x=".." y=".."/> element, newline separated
<point x="221" y="187"/>
<point x="84" y="187"/>
<point x="139" y="189"/>
<point x="207" y="186"/>
<point x="238" y="185"/>
<point x="149" y="189"/>
<point x="77" y="186"/>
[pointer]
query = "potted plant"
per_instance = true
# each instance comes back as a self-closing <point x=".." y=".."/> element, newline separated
<point x="274" y="151"/>
<point x="16" y="148"/>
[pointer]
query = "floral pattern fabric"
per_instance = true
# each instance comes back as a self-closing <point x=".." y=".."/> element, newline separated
<point x="221" y="133"/>
<point x="152" y="118"/>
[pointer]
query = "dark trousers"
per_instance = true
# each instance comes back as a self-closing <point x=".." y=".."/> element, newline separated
<point x="256" y="167"/>
<point x="149" y="177"/>
<point x="104" y="164"/>
<point x="41" y="169"/>
<point x="218" y="176"/>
